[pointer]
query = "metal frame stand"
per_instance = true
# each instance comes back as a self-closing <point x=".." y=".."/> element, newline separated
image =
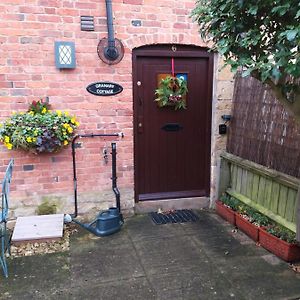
<point x="114" y="172"/>
<point x="4" y="236"/>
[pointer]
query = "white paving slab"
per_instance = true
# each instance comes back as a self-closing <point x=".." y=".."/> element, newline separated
<point x="38" y="227"/>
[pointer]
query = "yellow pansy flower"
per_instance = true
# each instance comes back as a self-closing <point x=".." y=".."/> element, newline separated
<point x="34" y="139"/>
<point x="66" y="125"/>
<point x="58" y="112"/>
<point x="31" y="113"/>
<point x="66" y="142"/>
<point x="66" y="113"/>
<point x="77" y="123"/>
<point x="73" y="120"/>
<point x="6" y="139"/>
<point x="29" y="139"/>
<point x="9" y="146"/>
<point x="70" y="129"/>
<point x="44" y="110"/>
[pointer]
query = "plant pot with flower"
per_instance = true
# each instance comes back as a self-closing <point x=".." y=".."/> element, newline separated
<point x="226" y="208"/>
<point x="280" y="241"/>
<point x="249" y="221"/>
<point x="39" y="130"/>
<point x="225" y="212"/>
<point x="244" y="224"/>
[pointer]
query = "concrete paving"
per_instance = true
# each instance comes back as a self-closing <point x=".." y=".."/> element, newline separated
<point x="202" y="260"/>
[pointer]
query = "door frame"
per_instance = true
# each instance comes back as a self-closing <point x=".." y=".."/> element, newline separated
<point x="167" y="50"/>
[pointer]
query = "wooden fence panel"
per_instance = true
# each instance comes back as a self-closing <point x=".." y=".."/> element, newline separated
<point x="269" y="191"/>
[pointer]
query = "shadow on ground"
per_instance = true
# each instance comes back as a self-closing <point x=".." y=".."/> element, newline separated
<point x="202" y="260"/>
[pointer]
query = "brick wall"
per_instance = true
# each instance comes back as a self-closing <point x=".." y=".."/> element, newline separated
<point x="28" y="29"/>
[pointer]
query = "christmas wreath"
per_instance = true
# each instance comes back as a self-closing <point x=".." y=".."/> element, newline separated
<point x="172" y="92"/>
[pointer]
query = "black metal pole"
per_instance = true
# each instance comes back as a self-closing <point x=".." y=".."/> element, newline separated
<point x="111" y="51"/>
<point x="114" y="174"/>
<point x="74" y="176"/>
<point x="91" y="135"/>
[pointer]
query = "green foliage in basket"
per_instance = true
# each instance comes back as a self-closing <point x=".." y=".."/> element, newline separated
<point x="39" y="129"/>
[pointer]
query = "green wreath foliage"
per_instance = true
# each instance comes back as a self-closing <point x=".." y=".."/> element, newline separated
<point x="172" y="92"/>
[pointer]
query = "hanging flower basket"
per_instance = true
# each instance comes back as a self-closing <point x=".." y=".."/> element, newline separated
<point x="172" y="92"/>
<point x="38" y="130"/>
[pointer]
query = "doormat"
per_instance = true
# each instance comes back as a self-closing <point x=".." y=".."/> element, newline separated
<point x="174" y="216"/>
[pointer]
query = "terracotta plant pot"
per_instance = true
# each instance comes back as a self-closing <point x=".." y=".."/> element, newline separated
<point x="286" y="251"/>
<point x="225" y="212"/>
<point x="244" y="225"/>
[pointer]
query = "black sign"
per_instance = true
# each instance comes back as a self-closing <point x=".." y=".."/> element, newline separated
<point x="104" y="88"/>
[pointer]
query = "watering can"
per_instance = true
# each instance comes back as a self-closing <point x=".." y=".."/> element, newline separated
<point x="107" y="222"/>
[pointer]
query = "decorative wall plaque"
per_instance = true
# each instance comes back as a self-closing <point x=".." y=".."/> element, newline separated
<point x="104" y="88"/>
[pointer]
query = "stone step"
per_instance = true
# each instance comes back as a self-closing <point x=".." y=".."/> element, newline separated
<point x="38" y="228"/>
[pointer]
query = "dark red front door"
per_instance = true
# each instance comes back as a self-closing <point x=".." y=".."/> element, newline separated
<point x="172" y="147"/>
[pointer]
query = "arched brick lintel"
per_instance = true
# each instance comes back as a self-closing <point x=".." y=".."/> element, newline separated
<point x="179" y="38"/>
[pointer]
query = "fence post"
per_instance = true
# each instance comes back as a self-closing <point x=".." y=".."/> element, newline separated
<point x="225" y="177"/>
<point x="298" y="216"/>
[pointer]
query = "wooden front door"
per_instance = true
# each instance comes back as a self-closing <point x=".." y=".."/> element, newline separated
<point x="172" y="147"/>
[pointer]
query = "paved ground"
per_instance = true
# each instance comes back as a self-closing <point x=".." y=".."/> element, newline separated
<point x="203" y="260"/>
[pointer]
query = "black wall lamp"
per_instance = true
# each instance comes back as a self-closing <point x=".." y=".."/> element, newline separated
<point x="223" y="127"/>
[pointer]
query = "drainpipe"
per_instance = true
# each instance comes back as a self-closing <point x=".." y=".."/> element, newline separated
<point x="110" y="52"/>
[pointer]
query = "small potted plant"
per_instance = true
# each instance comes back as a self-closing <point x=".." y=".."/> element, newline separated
<point x="280" y="241"/>
<point x="39" y="129"/>
<point x="226" y="207"/>
<point x="249" y="221"/>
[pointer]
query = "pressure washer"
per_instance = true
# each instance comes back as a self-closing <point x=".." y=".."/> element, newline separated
<point x="108" y="221"/>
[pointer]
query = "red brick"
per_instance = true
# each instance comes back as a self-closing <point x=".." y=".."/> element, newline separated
<point x="50" y="11"/>
<point x="49" y="3"/>
<point x="68" y="12"/>
<point x="21" y="92"/>
<point x="6" y="84"/>
<point x="135" y="2"/>
<point x="31" y="9"/>
<point x="49" y="18"/>
<point x="182" y="25"/>
<point x="85" y="5"/>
